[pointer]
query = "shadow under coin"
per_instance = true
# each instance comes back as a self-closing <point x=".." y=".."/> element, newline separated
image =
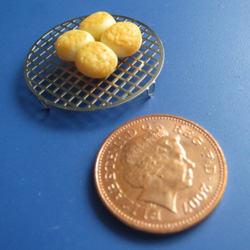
<point x="65" y="119"/>
<point x="121" y="229"/>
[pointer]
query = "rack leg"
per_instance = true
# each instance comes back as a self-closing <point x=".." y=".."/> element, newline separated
<point x="45" y="105"/>
<point x="151" y="89"/>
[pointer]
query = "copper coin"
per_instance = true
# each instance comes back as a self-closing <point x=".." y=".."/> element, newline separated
<point x="160" y="173"/>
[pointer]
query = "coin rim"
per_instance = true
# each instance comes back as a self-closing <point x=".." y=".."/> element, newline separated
<point x="178" y="226"/>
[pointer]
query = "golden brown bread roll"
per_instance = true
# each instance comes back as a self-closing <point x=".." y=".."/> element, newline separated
<point x="124" y="38"/>
<point x="97" y="23"/>
<point x="68" y="44"/>
<point x="96" y="60"/>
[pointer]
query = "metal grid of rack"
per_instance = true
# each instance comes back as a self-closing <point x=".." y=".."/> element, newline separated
<point x="59" y="83"/>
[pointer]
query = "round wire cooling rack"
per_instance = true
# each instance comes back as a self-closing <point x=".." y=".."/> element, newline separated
<point x="59" y="83"/>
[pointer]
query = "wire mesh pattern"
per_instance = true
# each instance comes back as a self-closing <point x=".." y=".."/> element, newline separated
<point x="59" y="83"/>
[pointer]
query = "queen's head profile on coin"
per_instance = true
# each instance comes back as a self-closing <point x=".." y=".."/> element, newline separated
<point x="156" y="162"/>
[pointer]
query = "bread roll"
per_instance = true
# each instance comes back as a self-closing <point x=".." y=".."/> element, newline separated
<point x="96" y="60"/>
<point x="68" y="44"/>
<point x="97" y="23"/>
<point x="124" y="38"/>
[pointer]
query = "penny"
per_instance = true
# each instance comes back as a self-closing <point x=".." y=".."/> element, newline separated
<point x="160" y="173"/>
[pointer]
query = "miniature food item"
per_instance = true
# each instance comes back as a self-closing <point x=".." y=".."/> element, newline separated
<point x="124" y="38"/>
<point x="96" y="60"/>
<point x="97" y="23"/>
<point x="68" y="44"/>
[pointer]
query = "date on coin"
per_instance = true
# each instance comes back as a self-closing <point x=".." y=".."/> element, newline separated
<point x="160" y="173"/>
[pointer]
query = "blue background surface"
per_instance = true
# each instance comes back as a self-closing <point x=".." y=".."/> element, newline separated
<point x="47" y="194"/>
